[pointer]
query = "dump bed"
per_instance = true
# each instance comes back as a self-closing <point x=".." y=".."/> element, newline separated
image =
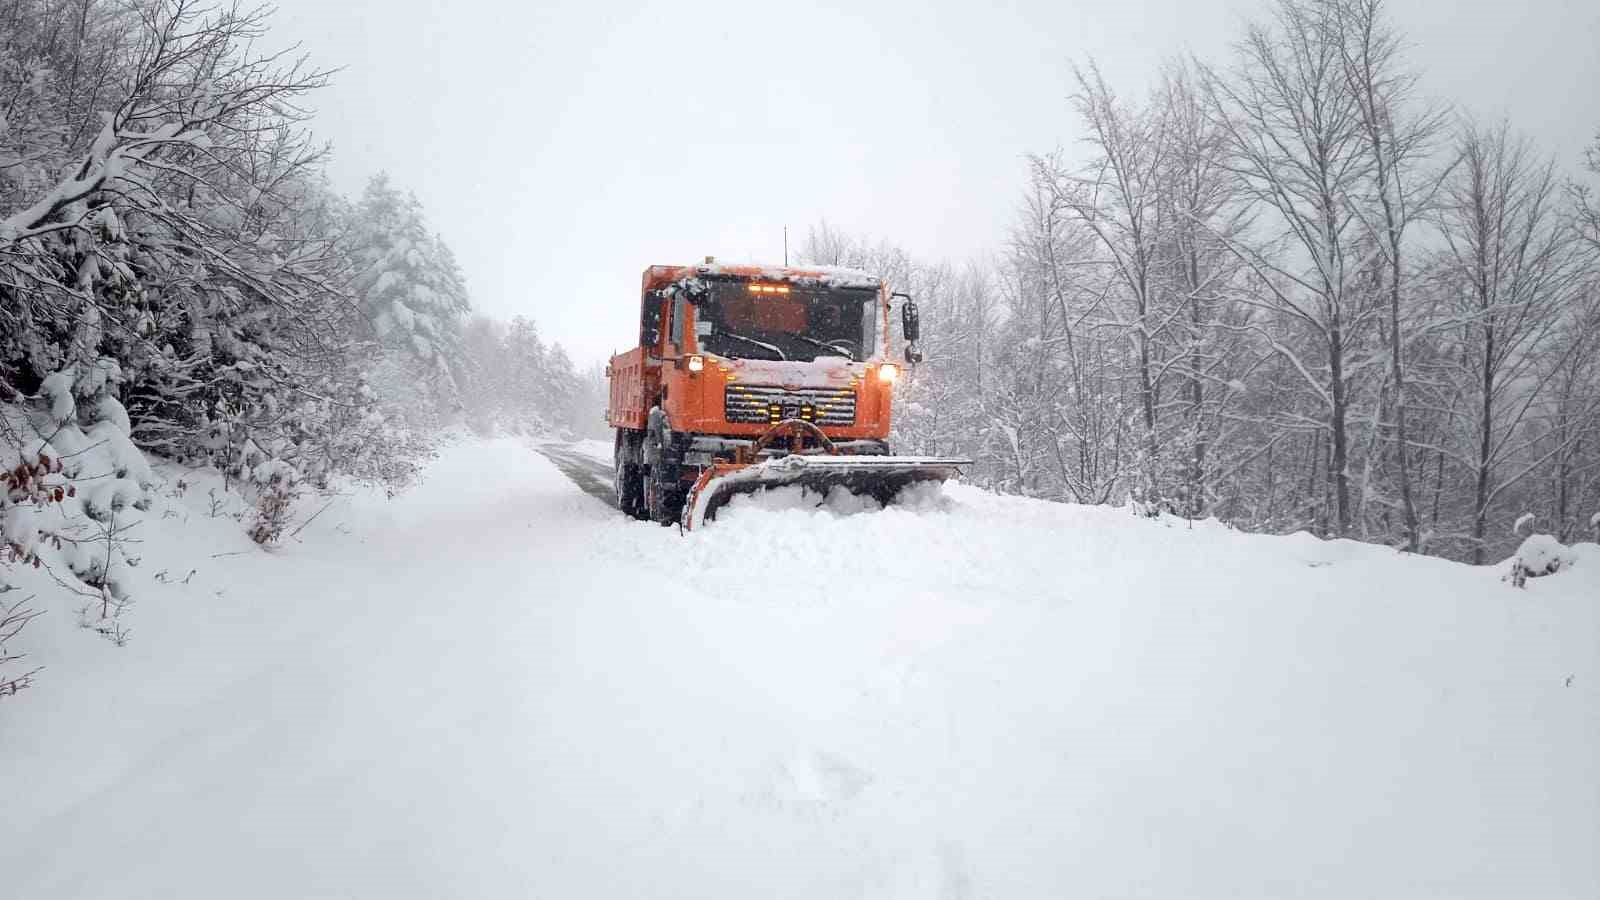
<point x="634" y="386"/>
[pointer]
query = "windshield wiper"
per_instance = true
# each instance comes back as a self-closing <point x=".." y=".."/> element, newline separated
<point x="816" y="343"/>
<point x="750" y="340"/>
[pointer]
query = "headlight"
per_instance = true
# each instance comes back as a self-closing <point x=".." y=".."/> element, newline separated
<point x="696" y="363"/>
<point x="888" y="372"/>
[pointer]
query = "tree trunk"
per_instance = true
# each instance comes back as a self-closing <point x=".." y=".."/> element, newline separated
<point x="1196" y="499"/>
<point x="1480" y="504"/>
<point x="1338" y="464"/>
<point x="1413" y="532"/>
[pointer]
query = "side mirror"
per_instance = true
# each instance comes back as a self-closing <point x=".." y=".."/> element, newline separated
<point x="910" y="319"/>
<point x="911" y="327"/>
<point x="650" y="320"/>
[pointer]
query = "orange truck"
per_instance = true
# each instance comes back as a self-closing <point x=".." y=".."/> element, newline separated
<point x="749" y="377"/>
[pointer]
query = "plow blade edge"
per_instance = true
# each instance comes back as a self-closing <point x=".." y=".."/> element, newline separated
<point x="880" y="477"/>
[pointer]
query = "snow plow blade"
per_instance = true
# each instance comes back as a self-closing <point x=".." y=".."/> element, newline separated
<point x="880" y="477"/>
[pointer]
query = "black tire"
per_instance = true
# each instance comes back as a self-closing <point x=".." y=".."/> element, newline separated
<point x="627" y="480"/>
<point x="663" y="492"/>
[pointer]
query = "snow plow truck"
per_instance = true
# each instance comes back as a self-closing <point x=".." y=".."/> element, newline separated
<point x="752" y="377"/>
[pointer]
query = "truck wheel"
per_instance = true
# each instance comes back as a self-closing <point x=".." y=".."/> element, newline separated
<point x="628" y="481"/>
<point x="663" y="492"/>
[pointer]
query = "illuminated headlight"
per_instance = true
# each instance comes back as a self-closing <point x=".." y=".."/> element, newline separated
<point x="888" y="372"/>
<point x="696" y="363"/>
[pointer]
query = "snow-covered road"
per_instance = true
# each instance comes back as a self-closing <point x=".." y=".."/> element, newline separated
<point x="579" y="463"/>
<point x="495" y="686"/>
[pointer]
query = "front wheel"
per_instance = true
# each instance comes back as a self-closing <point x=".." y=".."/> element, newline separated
<point x="663" y="491"/>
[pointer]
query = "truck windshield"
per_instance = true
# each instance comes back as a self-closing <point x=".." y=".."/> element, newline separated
<point x="748" y="320"/>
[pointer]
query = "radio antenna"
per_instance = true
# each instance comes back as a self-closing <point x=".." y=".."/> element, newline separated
<point x="786" y="245"/>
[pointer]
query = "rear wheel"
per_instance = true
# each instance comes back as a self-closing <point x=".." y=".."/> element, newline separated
<point x="627" y="480"/>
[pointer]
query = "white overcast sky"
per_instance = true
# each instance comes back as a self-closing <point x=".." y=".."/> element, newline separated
<point x="561" y="147"/>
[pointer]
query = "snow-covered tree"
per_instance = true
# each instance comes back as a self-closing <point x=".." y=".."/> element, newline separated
<point x="412" y="292"/>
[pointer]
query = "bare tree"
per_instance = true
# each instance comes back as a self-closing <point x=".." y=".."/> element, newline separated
<point x="1399" y="142"/>
<point x="1511" y="269"/>
<point x="1300" y="155"/>
<point x="1588" y="205"/>
<point x="1117" y="200"/>
<point x="1199" y="210"/>
<point x="1571" y="435"/>
<point x="1076" y="367"/>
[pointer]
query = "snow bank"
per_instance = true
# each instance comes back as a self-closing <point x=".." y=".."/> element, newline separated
<point x="499" y="687"/>
<point x="804" y="505"/>
<point x="1541" y="554"/>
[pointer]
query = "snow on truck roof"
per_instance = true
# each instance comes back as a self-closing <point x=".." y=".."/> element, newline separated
<point x="833" y="276"/>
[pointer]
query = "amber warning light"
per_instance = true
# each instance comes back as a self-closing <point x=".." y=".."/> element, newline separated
<point x="768" y="289"/>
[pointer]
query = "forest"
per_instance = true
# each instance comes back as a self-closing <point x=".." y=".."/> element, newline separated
<point x="179" y="280"/>
<point x="1284" y="289"/>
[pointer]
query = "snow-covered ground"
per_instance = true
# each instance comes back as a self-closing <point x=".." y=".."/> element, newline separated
<point x="495" y="686"/>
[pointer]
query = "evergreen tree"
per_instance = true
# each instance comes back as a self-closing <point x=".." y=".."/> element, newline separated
<point x="413" y="294"/>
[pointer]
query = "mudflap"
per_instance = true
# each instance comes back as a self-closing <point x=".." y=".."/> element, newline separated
<point x="880" y="477"/>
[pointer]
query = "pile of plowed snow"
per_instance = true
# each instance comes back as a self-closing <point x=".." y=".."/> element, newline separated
<point x="496" y="686"/>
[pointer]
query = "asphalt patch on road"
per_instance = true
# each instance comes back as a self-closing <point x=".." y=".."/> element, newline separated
<point x="591" y="476"/>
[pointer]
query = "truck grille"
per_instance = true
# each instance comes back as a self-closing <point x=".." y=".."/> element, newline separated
<point x="755" y="404"/>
